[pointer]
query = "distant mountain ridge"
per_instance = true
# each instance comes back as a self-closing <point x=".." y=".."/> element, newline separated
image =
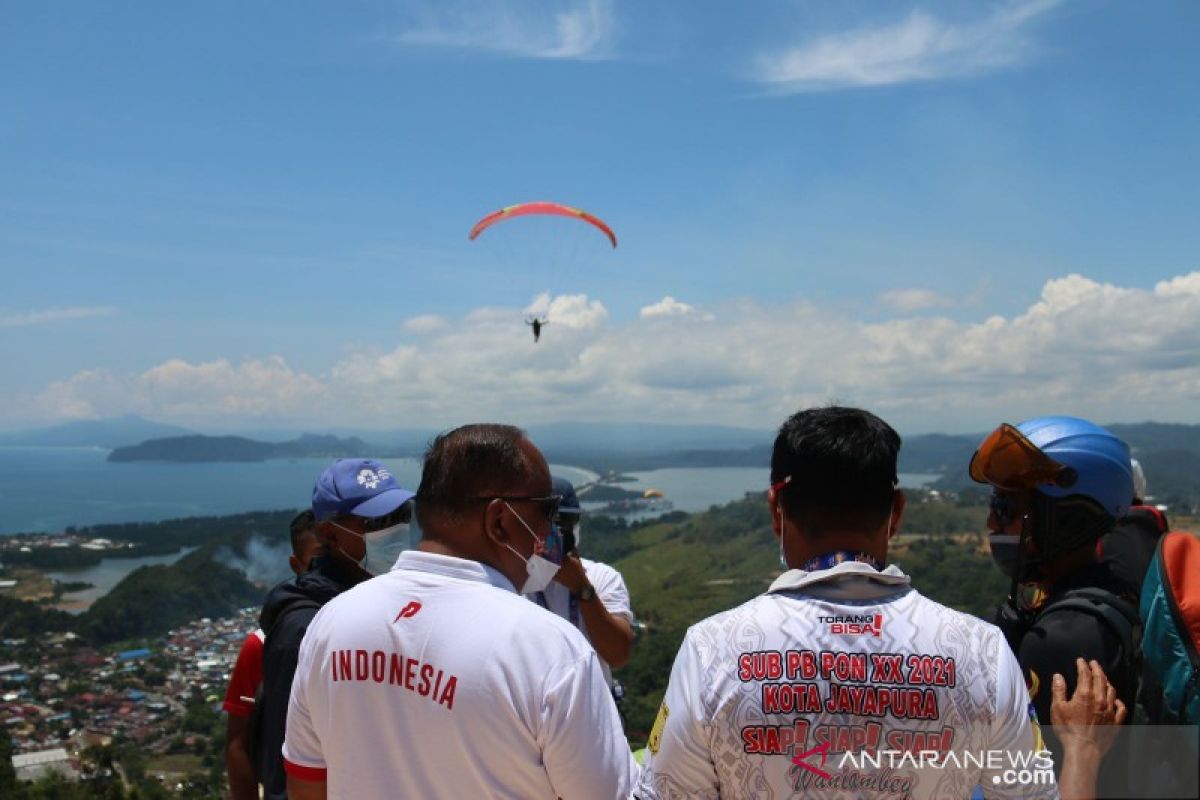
<point x="107" y="433"/>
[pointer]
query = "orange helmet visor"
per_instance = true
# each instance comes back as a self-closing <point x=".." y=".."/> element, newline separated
<point x="1008" y="460"/>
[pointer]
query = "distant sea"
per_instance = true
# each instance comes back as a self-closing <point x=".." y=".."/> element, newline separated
<point x="46" y="489"/>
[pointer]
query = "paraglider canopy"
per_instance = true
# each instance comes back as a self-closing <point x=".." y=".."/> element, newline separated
<point x="545" y="208"/>
<point x="651" y="493"/>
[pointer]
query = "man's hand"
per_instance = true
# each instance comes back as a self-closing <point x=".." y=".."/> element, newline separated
<point x="1091" y="718"/>
<point x="572" y="574"/>
<point x="1086" y="725"/>
<point x="612" y="636"/>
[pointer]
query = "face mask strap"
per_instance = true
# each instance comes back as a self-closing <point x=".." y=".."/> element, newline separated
<point x="538" y="543"/>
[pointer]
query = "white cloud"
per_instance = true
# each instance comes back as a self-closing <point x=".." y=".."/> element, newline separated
<point x="176" y="389"/>
<point x="918" y="48"/>
<point x="573" y="311"/>
<point x="667" y="307"/>
<point x="583" y="29"/>
<point x="52" y="315"/>
<point x="1094" y="349"/>
<point x="252" y="388"/>
<point x="910" y="300"/>
<point x="424" y="323"/>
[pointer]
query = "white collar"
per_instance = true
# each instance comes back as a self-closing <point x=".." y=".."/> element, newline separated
<point x="848" y="580"/>
<point x="453" y="567"/>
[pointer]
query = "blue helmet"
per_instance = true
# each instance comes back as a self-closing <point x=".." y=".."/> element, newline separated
<point x="1100" y="460"/>
<point x="568" y="510"/>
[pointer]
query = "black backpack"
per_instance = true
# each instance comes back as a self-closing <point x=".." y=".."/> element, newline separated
<point x="1122" y="619"/>
<point x="253" y="740"/>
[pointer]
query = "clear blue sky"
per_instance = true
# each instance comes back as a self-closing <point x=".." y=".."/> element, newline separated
<point x="229" y="214"/>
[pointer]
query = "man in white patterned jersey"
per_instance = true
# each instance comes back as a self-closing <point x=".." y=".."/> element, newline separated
<point x="437" y="680"/>
<point x="842" y="680"/>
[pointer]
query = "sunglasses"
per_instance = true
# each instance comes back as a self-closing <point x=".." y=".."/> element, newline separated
<point x="547" y="505"/>
<point x="1008" y="460"/>
<point x="400" y="516"/>
<point x="1003" y="508"/>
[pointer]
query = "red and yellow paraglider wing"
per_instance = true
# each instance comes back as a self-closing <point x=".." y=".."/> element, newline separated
<point x="542" y="207"/>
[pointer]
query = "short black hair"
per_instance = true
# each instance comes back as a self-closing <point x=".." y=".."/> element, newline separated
<point x="469" y="462"/>
<point x="842" y="463"/>
<point x="303" y="524"/>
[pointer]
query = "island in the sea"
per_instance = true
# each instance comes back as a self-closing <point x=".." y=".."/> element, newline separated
<point x="195" y="448"/>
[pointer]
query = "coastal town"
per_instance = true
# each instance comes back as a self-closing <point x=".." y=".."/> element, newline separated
<point x="66" y="705"/>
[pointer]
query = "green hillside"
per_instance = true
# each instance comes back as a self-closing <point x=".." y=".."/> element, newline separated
<point x="152" y="600"/>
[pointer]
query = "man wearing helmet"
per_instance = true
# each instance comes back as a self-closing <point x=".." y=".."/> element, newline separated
<point x="1058" y="485"/>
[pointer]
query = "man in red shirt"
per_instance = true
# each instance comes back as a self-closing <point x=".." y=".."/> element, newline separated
<point x="247" y="675"/>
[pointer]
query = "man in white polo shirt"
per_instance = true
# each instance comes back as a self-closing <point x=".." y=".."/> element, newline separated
<point x="438" y="680"/>
<point x="842" y="660"/>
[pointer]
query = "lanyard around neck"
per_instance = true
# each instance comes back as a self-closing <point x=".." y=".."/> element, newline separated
<point x="831" y="560"/>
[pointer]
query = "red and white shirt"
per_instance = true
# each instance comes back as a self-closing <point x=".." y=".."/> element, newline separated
<point x="438" y="680"/>
<point x="768" y="698"/>
<point x="247" y="675"/>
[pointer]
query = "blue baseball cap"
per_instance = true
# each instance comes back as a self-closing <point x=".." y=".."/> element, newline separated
<point x="359" y="486"/>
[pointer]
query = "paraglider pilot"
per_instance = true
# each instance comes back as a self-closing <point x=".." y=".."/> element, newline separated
<point x="536" y="324"/>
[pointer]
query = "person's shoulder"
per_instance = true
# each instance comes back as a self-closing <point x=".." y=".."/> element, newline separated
<point x="926" y="610"/>
<point x="598" y="570"/>
<point x="279" y="593"/>
<point x="731" y="616"/>
<point x="539" y="628"/>
<point x="253" y="644"/>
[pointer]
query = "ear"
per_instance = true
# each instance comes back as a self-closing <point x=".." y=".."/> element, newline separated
<point x="327" y="534"/>
<point x="776" y="509"/>
<point x="295" y="564"/>
<point x="493" y="522"/>
<point x="899" y="500"/>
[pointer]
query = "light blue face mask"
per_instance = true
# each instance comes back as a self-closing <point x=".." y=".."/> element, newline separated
<point x="383" y="547"/>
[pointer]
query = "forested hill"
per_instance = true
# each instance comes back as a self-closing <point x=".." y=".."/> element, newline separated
<point x="238" y="448"/>
<point x="208" y="582"/>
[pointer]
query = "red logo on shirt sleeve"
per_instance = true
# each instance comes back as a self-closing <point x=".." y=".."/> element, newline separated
<point x="409" y="610"/>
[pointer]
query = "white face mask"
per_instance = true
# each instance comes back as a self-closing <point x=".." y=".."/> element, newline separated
<point x="541" y="570"/>
<point x="383" y="547"/>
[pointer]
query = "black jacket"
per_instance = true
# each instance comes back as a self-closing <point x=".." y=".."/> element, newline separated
<point x="1054" y="640"/>
<point x="286" y="613"/>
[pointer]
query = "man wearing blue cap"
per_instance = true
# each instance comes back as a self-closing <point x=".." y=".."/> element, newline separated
<point x="362" y="517"/>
